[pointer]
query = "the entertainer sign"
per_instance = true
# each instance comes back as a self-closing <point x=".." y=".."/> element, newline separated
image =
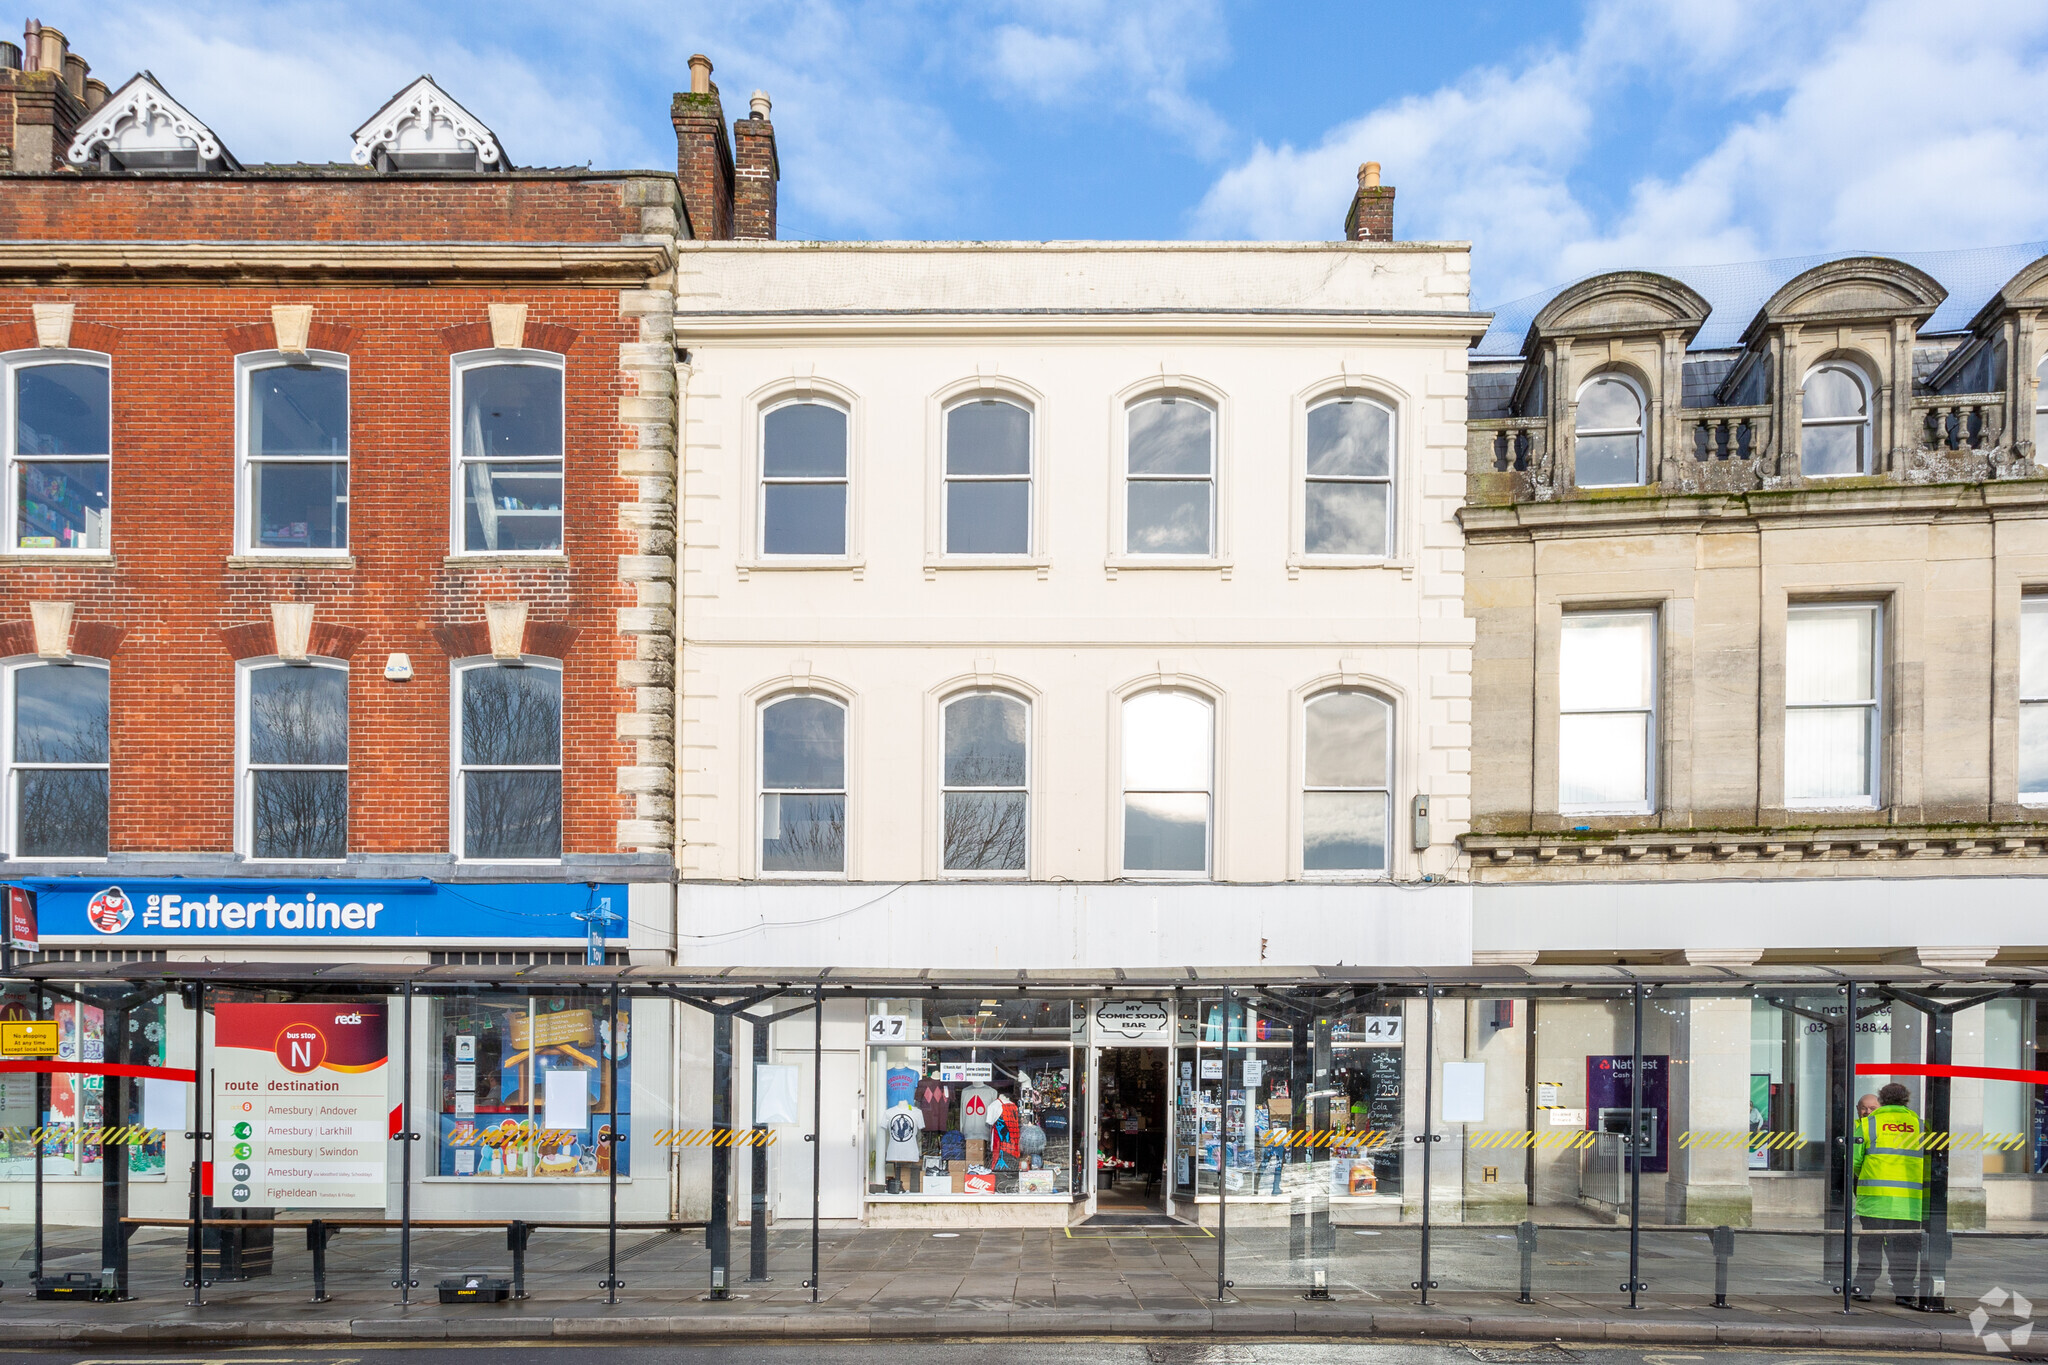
<point x="82" y="910"/>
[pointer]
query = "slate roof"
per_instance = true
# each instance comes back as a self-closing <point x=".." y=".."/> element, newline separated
<point x="1736" y="291"/>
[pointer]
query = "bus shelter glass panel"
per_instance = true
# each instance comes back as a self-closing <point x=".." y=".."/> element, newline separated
<point x="70" y="1112"/>
<point x="974" y="1098"/>
<point x="522" y="1088"/>
<point x="1532" y="1101"/>
<point x="1956" y="1091"/>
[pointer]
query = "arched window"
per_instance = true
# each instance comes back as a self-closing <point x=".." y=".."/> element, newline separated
<point x="803" y="785"/>
<point x="57" y="440"/>
<point x="508" y="440"/>
<point x="2040" y="405"/>
<point x="1607" y="439"/>
<point x="988" y="478"/>
<point x="509" y="760"/>
<point x="1834" y="423"/>
<point x="986" y="783"/>
<point x="1347" y="775"/>
<point x="1350" y="486"/>
<point x="294" y="449"/>
<point x="803" y="478"/>
<point x="1170" y="477"/>
<point x="56" y="757"/>
<point x="1168" y="777"/>
<point x="295" y="760"/>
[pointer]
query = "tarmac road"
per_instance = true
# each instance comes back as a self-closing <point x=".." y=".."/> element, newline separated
<point x="988" y="1352"/>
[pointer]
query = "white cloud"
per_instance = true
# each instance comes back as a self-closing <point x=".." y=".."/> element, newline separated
<point x="1887" y="125"/>
<point x="1096" y="55"/>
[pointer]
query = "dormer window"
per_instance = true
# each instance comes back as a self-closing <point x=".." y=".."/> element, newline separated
<point x="141" y="128"/>
<point x="422" y="129"/>
<point x="1608" y="438"/>
<point x="1834" y="423"/>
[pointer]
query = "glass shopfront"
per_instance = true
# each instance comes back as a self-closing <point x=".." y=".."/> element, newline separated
<point x="973" y="1097"/>
<point x="69" y="1108"/>
<point x="526" y="1087"/>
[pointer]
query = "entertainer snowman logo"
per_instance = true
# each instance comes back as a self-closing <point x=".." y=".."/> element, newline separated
<point x="110" y="911"/>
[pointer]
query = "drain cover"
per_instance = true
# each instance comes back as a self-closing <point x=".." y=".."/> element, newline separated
<point x="1517" y="1355"/>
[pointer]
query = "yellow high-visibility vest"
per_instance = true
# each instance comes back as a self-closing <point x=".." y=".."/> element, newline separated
<point x="1891" y="1165"/>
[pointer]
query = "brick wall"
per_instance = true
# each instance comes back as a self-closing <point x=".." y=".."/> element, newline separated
<point x="335" y="207"/>
<point x="755" y="172"/>
<point x="173" y="591"/>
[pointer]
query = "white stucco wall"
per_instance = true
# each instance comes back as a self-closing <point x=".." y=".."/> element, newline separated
<point x="1076" y="331"/>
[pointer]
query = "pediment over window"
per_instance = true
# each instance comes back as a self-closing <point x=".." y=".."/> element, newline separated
<point x="141" y="127"/>
<point x="424" y="129"/>
<point x="1620" y="303"/>
<point x="1859" y="289"/>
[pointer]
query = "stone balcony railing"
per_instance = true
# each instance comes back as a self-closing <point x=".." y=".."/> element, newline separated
<point x="1950" y="438"/>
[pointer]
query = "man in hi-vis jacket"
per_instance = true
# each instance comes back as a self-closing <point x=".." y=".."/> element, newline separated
<point x="1891" y="1196"/>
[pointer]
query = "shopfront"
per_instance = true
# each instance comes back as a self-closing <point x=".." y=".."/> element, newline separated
<point x="511" y="1088"/>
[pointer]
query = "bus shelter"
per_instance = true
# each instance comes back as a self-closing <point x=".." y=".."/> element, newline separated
<point x="1593" y="1133"/>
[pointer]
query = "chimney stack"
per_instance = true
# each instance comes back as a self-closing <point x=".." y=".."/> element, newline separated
<point x="703" y="155"/>
<point x="1372" y="209"/>
<point x="44" y="97"/>
<point x="755" y="172"/>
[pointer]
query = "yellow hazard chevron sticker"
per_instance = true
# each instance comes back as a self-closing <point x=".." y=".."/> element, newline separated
<point x="715" y="1137"/>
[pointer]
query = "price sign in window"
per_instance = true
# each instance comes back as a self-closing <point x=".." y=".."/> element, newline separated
<point x="888" y="1028"/>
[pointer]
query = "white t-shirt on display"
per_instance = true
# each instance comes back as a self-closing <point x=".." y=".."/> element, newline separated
<point x="900" y="1126"/>
<point x="979" y="1105"/>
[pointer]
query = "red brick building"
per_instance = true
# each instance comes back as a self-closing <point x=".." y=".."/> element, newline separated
<point x="340" y="517"/>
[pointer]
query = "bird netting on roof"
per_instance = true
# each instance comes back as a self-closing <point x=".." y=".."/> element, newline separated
<point x="1736" y="291"/>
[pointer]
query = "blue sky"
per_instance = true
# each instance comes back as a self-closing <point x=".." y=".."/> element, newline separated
<point x="1560" y="138"/>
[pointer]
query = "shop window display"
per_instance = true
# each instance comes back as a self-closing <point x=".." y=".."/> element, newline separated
<point x="971" y="1097"/>
<point x="510" y="1104"/>
<point x="1296" y="1106"/>
<point x="74" y="1103"/>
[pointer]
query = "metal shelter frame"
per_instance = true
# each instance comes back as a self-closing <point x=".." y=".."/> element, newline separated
<point x="734" y="993"/>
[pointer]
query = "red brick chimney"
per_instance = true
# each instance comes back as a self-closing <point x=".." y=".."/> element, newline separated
<point x="704" y="156"/>
<point x="43" y="90"/>
<point x="755" y="172"/>
<point x="1372" y="209"/>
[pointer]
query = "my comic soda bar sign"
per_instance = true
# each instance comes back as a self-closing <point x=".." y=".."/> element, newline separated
<point x="91" y="910"/>
<point x="302" y="1114"/>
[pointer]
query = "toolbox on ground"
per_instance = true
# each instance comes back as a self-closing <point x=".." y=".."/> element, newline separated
<point x="75" y="1284"/>
<point x="475" y="1286"/>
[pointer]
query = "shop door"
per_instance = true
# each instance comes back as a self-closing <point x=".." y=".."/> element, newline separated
<point x="789" y="1165"/>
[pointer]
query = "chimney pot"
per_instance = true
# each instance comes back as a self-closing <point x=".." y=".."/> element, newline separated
<point x="700" y="74"/>
<point x="10" y="57"/>
<point x="1371" y="218"/>
<point x="74" y="74"/>
<point x="96" y="92"/>
<point x="759" y="104"/>
<point x="52" y="47"/>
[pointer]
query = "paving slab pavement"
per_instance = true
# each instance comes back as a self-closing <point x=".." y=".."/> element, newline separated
<point x="898" y="1284"/>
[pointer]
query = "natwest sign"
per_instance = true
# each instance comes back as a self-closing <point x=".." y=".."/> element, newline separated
<point x="165" y="910"/>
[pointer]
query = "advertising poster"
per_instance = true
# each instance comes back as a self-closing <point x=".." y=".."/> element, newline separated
<point x="301" y="1112"/>
<point x="526" y="1089"/>
<point x="1608" y="1101"/>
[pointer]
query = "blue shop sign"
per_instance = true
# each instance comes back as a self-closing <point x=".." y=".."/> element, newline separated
<point x="178" y="910"/>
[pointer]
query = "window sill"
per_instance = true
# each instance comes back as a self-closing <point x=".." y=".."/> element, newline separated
<point x="937" y="564"/>
<point x="291" y="561"/>
<point x="803" y="564"/>
<point x="1296" y="563"/>
<point x="96" y="559"/>
<point x="535" y="559"/>
<point x="1115" y="564"/>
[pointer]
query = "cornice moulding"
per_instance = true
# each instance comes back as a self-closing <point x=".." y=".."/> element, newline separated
<point x="340" y="262"/>
<point x="1460" y="326"/>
